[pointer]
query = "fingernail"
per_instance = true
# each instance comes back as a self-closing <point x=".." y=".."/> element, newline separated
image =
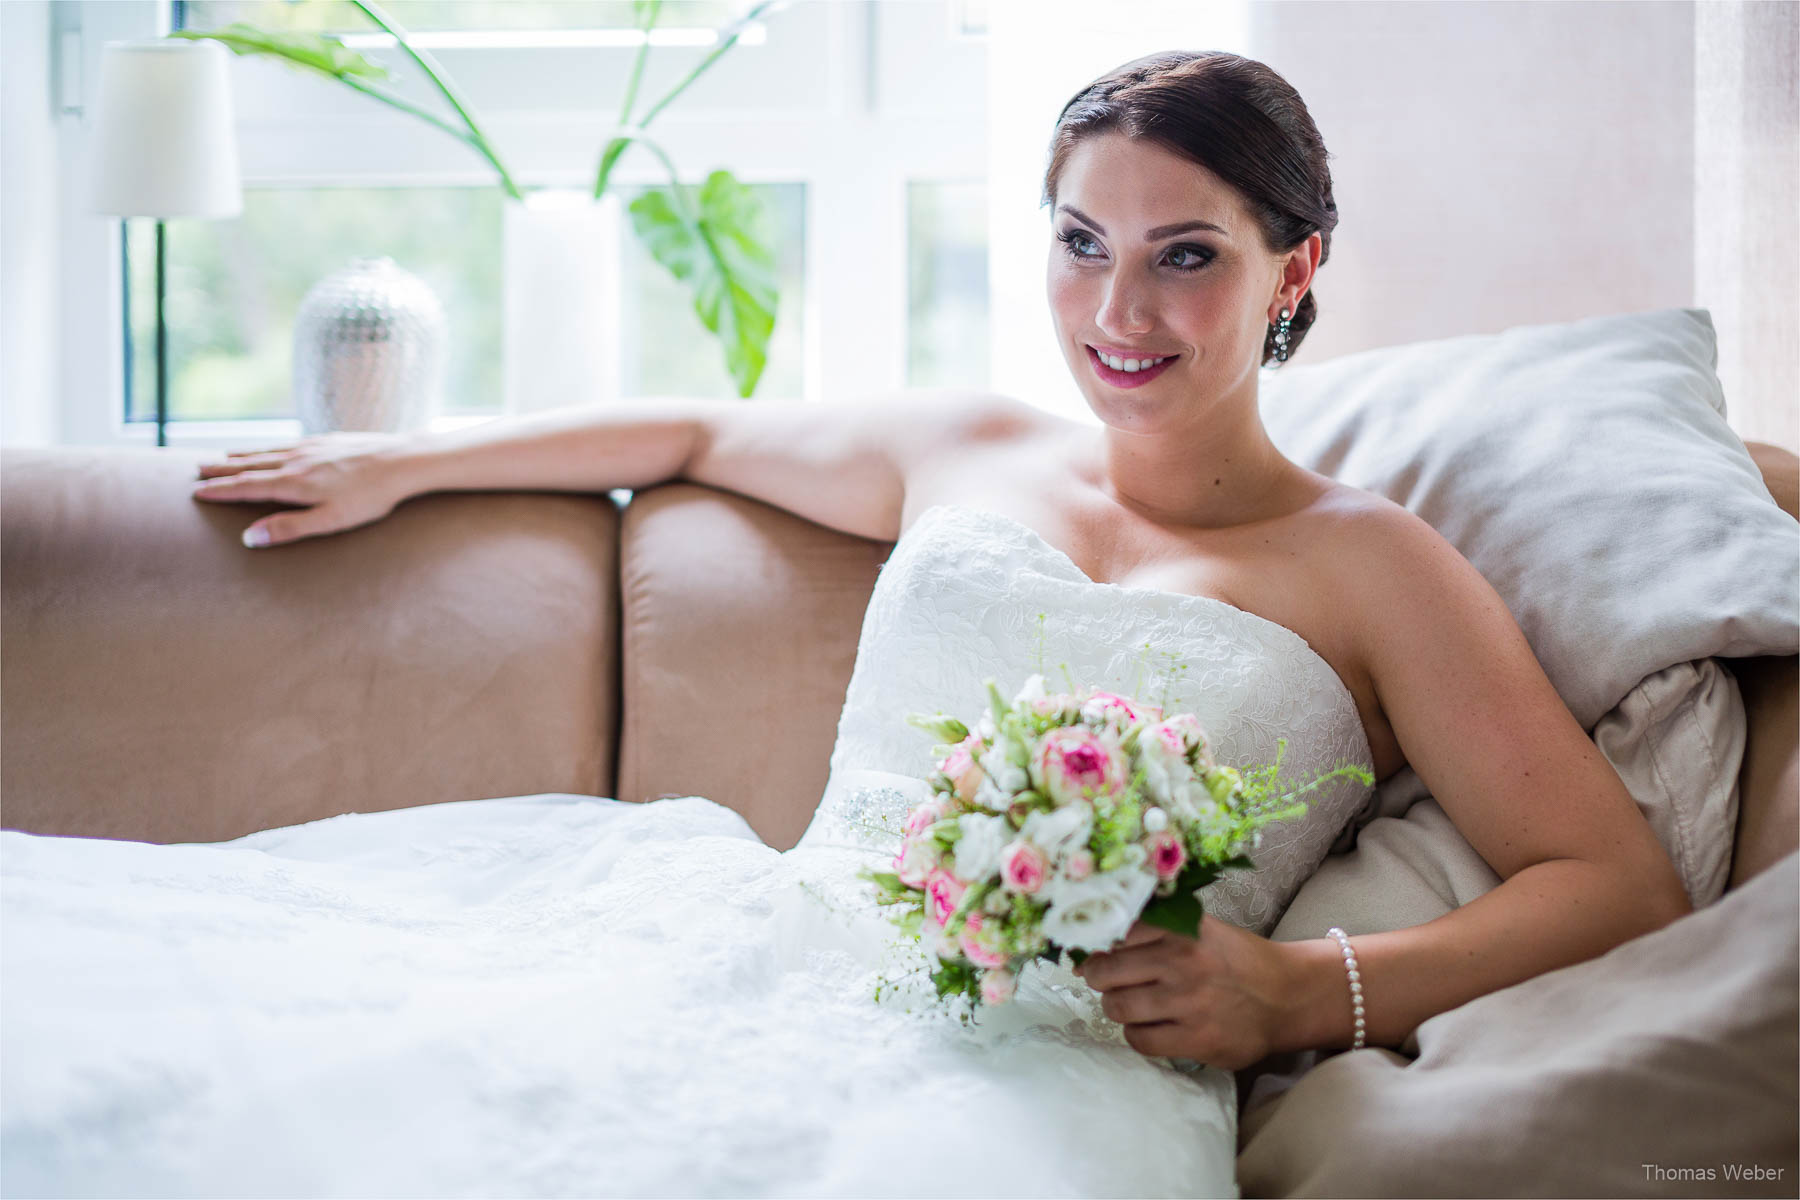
<point x="256" y="536"/>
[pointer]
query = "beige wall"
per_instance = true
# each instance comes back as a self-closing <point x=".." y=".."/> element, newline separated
<point x="1495" y="164"/>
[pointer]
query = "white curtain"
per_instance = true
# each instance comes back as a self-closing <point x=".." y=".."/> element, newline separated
<point x="1747" y="207"/>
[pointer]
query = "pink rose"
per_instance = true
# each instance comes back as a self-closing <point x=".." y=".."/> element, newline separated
<point x="981" y="949"/>
<point x="997" y="986"/>
<point x="923" y="817"/>
<point x="915" y="862"/>
<point x="1022" y="867"/>
<point x="963" y="768"/>
<point x="1112" y="711"/>
<point x="1079" y="865"/>
<point x="1167" y="853"/>
<point x="942" y="892"/>
<point x="1180" y="733"/>
<point x="1072" y="763"/>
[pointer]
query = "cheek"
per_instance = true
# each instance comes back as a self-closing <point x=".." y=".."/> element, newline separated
<point x="1066" y="289"/>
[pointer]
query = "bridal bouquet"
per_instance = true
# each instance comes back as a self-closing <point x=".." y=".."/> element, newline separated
<point x="1059" y="821"/>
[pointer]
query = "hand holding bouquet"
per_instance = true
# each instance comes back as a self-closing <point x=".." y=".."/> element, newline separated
<point x="1059" y="821"/>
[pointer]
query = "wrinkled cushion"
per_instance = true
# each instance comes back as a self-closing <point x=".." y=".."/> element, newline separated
<point x="1586" y="470"/>
<point x="1653" y="1070"/>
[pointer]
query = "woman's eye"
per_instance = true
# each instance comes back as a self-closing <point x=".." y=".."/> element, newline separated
<point x="1073" y="241"/>
<point x="1192" y="258"/>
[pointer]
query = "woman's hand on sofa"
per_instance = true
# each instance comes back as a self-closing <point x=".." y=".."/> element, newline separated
<point x="341" y="480"/>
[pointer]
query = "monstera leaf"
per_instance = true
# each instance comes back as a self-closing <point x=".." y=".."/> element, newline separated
<point x="723" y="254"/>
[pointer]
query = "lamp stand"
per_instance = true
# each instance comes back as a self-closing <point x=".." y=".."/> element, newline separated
<point x="162" y="346"/>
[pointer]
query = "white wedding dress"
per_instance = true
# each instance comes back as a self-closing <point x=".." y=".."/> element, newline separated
<point x="568" y="995"/>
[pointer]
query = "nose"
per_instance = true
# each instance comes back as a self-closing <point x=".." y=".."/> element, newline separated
<point x="1124" y="310"/>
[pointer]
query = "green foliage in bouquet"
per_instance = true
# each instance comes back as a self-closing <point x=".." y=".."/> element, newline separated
<point x="721" y="247"/>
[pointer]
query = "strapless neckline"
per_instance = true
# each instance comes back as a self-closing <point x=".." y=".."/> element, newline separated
<point x="1076" y="574"/>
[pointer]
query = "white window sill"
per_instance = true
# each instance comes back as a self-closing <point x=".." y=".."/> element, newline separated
<point x="247" y="435"/>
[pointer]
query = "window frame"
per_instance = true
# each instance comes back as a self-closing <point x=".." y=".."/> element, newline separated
<point x="854" y="155"/>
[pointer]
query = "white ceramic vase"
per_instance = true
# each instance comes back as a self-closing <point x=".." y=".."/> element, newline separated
<point x="561" y="299"/>
<point x="369" y="347"/>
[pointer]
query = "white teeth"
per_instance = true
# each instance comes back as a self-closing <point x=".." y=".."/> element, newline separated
<point x="1131" y="364"/>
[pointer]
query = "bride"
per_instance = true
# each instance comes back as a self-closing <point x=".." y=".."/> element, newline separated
<point x="555" y="994"/>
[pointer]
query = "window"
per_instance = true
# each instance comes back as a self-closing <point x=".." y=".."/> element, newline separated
<point x="821" y="112"/>
<point x="946" y="274"/>
<point x="234" y="288"/>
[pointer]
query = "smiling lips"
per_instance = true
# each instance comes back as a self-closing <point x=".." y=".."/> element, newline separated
<point x="1131" y="372"/>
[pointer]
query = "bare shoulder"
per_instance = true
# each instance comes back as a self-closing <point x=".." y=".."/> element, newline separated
<point x="981" y="418"/>
<point x="1396" y="580"/>
<point x="962" y="436"/>
<point x="1415" y="598"/>
<point x="1376" y="534"/>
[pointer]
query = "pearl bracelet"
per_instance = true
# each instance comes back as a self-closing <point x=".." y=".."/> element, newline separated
<point x="1343" y="941"/>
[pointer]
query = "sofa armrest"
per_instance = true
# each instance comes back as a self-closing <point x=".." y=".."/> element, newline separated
<point x="162" y="683"/>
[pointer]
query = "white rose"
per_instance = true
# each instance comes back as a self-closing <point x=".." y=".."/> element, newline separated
<point x="1061" y="831"/>
<point x="978" y="849"/>
<point x="1094" y="913"/>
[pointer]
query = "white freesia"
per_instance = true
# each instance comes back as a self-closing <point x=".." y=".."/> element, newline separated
<point x="990" y="797"/>
<point x="978" y="849"/>
<point x="998" y="762"/>
<point x="1061" y="831"/>
<point x="1171" y="782"/>
<point x="1033" y="690"/>
<point x="1092" y="914"/>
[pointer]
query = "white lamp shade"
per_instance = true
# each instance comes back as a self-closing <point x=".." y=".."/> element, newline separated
<point x="164" y="144"/>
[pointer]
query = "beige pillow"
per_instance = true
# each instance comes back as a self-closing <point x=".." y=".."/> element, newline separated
<point x="1666" y="1067"/>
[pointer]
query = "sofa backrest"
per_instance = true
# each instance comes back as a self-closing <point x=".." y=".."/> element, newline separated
<point x="741" y="626"/>
<point x="160" y="682"/>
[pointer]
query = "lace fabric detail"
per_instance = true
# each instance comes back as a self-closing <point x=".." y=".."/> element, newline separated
<point x="969" y="594"/>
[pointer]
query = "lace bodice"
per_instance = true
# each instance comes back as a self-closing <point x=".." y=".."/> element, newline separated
<point x="969" y="594"/>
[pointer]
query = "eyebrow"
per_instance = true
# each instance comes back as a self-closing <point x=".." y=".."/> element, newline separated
<point x="1161" y="231"/>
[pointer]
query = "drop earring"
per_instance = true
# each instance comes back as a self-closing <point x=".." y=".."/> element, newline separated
<point x="1278" y="336"/>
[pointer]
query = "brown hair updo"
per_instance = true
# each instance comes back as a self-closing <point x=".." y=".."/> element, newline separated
<point x="1232" y="115"/>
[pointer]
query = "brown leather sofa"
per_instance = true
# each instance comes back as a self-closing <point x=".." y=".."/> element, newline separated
<point x="162" y="683"/>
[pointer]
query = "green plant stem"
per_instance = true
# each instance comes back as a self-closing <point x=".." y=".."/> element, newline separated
<point x="408" y="107"/>
<point x="675" y="187"/>
<point x="637" y="61"/>
<point x="477" y="139"/>
<point x="736" y="31"/>
<point x="615" y="147"/>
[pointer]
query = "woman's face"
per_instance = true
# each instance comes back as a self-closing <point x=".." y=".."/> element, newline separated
<point x="1153" y="257"/>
